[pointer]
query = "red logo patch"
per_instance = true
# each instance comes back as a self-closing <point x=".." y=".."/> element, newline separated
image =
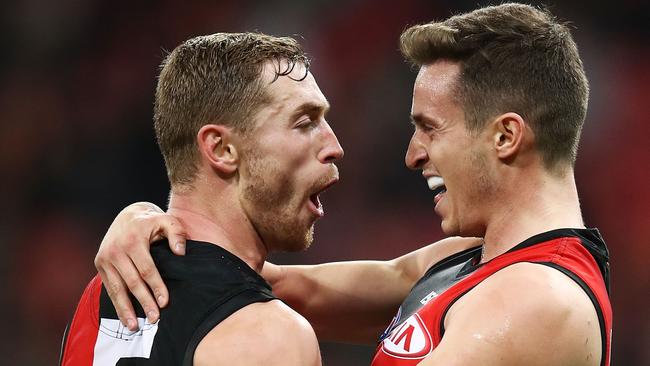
<point x="409" y="340"/>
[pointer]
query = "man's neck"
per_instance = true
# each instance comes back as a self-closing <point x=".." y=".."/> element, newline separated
<point x="219" y="220"/>
<point x="534" y="206"/>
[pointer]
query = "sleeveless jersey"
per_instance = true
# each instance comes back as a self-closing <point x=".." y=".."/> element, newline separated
<point x="206" y="286"/>
<point x="418" y="327"/>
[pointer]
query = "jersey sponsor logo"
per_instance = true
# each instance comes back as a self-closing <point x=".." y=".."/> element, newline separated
<point x="409" y="340"/>
<point x="115" y="341"/>
<point x="432" y="295"/>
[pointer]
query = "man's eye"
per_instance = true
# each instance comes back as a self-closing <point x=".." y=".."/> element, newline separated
<point x="308" y="123"/>
<point x="424" y="128"/>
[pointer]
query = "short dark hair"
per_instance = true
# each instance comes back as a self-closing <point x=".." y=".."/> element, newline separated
<point x="214" y="79"/>
<point x="513" y="58"/>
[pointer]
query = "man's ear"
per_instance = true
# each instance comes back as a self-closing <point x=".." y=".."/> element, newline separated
<point x="509" y="131"/>
<point x="217" y="147"/>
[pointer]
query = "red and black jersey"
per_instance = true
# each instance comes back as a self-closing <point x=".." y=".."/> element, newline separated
<point x="418" y="327"/>
<point x="206" y="286"/>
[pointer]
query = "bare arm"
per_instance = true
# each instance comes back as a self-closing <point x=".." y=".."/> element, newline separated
<point x="354" y="301"/>
<point x="526" y="314"/>
<point x="266" y="334"/>
<point x="345" y="301"/>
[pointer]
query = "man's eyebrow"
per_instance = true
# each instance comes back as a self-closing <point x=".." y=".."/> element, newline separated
<point x="419" y="120"/>
<point x="310" y="108"/>
<point x="416" y="120"/>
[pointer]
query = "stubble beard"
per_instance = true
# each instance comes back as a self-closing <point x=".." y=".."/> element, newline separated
<point x="272" y="205"/>
<point x="484" y="189"/>
<point x="469" y="220"/>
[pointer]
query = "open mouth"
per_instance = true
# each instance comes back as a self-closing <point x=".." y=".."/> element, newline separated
<point x="439" y="190"/>
<point x="437" y="185"/>
<point x="314" y="198"/>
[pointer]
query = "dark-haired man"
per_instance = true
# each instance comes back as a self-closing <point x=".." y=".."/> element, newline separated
<point x="498" y="105"/>
<point x="231" y="110"/>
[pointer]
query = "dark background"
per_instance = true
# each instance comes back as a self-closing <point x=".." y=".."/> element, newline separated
<point x="76" y="142"/>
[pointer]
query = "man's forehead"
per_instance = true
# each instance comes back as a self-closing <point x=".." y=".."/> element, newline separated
<point x="433" y="92"/>
<point x="438" y="74"/>
<point x="273" y="70"/>
<point x="298" y="87"/>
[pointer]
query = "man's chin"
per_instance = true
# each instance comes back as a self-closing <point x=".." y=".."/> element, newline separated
<point x="449" y="229"/>
<point x="445" y="227"/>
<point x="305" y="243"/>
<point x="296" y="241"/>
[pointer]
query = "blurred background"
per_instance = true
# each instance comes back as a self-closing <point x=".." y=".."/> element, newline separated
<point x="77" y="80"/>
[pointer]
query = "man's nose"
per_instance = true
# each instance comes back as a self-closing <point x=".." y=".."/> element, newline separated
<point x="416" y="154"/>
<point x="332" y="150"/>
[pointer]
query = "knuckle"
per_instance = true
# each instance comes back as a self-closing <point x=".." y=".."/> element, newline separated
<point x="150" y="217"/>
<point x="99" y="260"/>
<point x="113" y="288"/>
<point x="132" y="283"/>
<point x="110" y="251"/>
<point x="129" y="240"/>
<point x="146" y="271"/>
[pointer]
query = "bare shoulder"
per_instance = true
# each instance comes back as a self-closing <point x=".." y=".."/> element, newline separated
<point x="455" y="244"/>
<point x="416" y="263"/>
<point x="527" y="314"/>
<point x="269" y="333"/>
<point x="447" y="247"/>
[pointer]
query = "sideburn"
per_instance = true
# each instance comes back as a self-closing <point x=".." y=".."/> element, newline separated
<point x="484" y="179"/>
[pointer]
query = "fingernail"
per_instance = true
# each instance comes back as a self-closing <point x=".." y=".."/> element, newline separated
<point x="180" y="247"/>
<point x="161" y="300"/>
<point x="152" y="316"/>
<point x="132" y="324"/>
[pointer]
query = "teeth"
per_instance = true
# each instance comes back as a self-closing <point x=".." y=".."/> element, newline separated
<point x="435" y="182"/>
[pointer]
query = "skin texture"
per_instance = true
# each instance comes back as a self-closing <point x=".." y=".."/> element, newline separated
<point x="272" y="343"/>
<point x="226" y="204"/>
<point x="442" y="146"/>
<point x="497" y="189"/>
<point x="496" y="185"/>
<point x="287" y="161"/>
<point x="524" y="314"/>
<point x="341" y="310"/>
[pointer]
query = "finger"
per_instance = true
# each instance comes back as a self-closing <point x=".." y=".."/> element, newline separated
<point x="127" y="276"/>
<point x="144" y="264"/>
<point x="171" y="228"/>
<point x="134" y="282"/>
<point x="116" y="290"/>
